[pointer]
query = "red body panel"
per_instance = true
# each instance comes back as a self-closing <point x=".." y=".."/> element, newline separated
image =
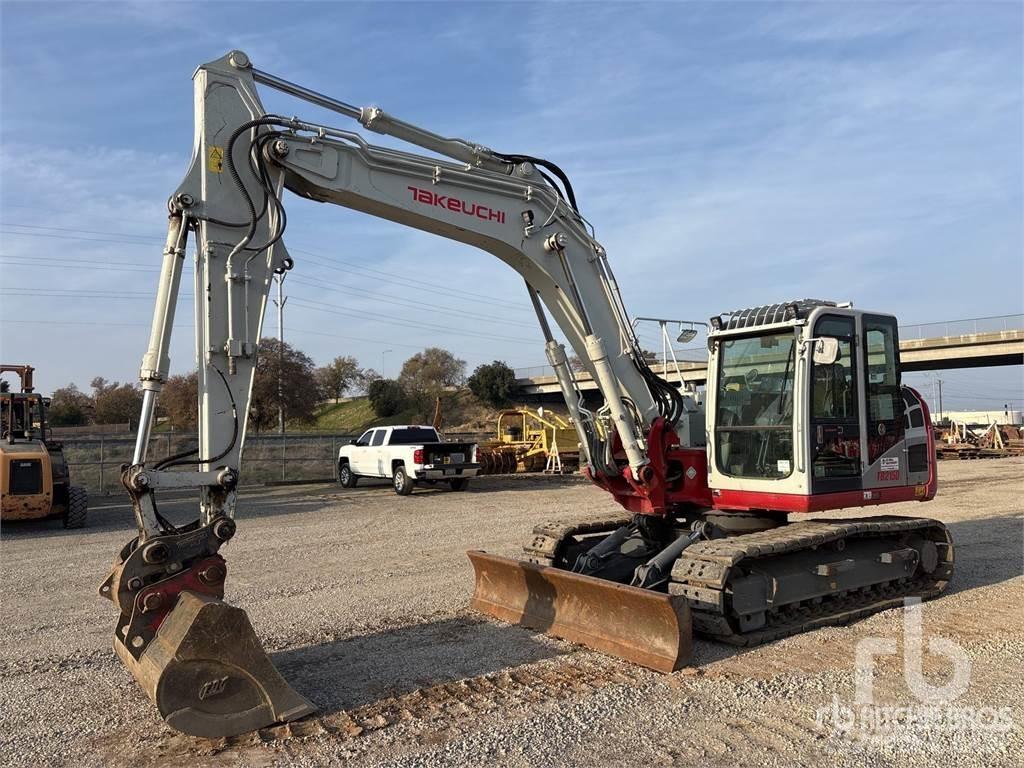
<point x="741" y="501"/>
<point x="655" y="494"/>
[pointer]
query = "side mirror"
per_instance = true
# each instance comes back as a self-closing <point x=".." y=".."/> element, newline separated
<point x="826" y="350"/>
<point x="353" y="441"/>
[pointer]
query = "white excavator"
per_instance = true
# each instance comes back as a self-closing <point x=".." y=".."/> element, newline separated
<point x="804" y="411"/>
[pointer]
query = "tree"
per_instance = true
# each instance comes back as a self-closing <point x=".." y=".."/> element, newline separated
<point x="300" y="392"/>
<point x="179" y="400"/>
<point x="427" y="373"/>
<point x="69" y="407"/>
<point x="366" y="377"/>
<point x="387" y="397"/>
<point x="115" y="403"/>
<point x="338" y="377"/>
<point x="493" y="383"/>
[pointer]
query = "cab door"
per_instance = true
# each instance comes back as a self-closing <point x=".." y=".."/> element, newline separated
<point x="886" y="461"/>
<point x="358" y="455"/>
<point x="835" y="434"/>
<point x="376" y="454"/>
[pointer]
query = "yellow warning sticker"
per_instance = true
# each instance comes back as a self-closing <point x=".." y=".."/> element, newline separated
<point x="215" y="159"/>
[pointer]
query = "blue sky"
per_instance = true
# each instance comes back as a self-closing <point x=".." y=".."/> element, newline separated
<point x="728" y="154"/>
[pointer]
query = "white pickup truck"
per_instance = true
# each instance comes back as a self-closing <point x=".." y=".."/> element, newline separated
<point x="407" y="454"/>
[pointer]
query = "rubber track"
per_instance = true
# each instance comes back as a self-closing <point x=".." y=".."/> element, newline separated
<point x="548" y="537"/>
<point x="703" y="571"/>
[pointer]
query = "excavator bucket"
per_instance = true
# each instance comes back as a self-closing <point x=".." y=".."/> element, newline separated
<point x="645" y="627"/>
<point x="208" y="673"/>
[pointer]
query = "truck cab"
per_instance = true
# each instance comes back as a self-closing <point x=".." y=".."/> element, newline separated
<point x="829" y="373"/>
<point x="407" y="454"/>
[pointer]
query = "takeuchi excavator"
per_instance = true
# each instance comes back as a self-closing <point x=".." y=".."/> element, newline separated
<point x="804" y="411"/>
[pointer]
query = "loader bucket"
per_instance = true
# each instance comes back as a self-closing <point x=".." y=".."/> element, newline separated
<point x="208" y="673"/>
<point x="645" y="627"/>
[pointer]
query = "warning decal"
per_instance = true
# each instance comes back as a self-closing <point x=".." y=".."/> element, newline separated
<point x="890" y="463"/>
<point x="215" y="159"/>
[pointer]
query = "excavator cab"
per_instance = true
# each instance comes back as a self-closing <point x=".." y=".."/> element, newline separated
<point x="807" y="411"/>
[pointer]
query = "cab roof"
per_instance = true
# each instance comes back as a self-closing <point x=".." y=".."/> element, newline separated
<point x="769" y="314"/>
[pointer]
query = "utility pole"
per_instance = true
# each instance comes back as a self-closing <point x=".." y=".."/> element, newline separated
<point x="279" y="302"/>
<point x="383" y="363"/>
<point x="939" y="382"/>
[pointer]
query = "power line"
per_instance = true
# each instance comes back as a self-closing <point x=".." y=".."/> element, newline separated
<point x="304" y="303"/>
<point x="376" y="274"/>
<point x="119" y="237"/>
<point x="344" y="337"/>
<point x="462" y="314"/>
<point x="334" y="309"/>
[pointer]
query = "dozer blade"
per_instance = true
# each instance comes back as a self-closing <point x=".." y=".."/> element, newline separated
<point x="208" y="673"/>
<point x="645" y="627"/>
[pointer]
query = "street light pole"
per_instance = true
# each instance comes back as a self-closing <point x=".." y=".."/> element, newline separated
<point x="383" y="362"/>
<point x="280" y="302"/>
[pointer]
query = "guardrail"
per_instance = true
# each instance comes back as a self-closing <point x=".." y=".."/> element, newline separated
<point x="964" y="327"/>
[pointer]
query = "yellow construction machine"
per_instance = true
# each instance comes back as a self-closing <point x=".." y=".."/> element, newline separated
<point x="530" y="441"/>
<point x="34" y="479"/>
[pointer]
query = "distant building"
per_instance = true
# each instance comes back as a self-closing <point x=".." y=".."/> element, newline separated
<point x="999" y="416"/>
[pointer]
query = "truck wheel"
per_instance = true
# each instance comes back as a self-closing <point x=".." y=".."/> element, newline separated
<point x="78" y="507"/>
<point x="345" y="477"/>
<point x="401" y="482"/>
<point x="459" y="484"/>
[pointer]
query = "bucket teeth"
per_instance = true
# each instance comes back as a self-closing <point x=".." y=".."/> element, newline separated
<point x="639" y="625"/>
<point x="208" y="673"/>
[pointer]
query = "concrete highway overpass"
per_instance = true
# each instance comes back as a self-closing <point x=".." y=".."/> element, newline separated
<point x="972" y="349"/>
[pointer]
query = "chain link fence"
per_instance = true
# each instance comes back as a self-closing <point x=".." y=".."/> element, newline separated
<point x="95" y="461"/>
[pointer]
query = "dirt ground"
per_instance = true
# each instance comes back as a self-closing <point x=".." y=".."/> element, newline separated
<point x="361" y="597"/>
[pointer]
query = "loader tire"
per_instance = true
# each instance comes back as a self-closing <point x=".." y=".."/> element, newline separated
<point x="401" y="481"/>
<point x="78" y="507"/>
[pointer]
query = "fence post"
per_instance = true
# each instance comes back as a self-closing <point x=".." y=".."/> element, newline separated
<point x="103" y="485"/>
<point x="334" y="452"/>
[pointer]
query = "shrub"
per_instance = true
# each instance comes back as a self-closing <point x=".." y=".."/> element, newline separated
<point x="387" y="397"/>
<point x="493" y="383"/>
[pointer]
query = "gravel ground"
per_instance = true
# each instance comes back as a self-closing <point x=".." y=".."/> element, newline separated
<point x="361" y="598"/>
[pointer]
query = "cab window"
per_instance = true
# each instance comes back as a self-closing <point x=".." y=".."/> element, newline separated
<point x="882" y="376"/>
<point x="364" y="439"/>
<point x="754" y="419"/>
<point x="378" y="437"/>
<point x="835" y="417"/>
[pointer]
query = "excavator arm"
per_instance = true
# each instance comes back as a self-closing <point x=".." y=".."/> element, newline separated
<point x="244" y="159"/>
<point x="168" y="581"/>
